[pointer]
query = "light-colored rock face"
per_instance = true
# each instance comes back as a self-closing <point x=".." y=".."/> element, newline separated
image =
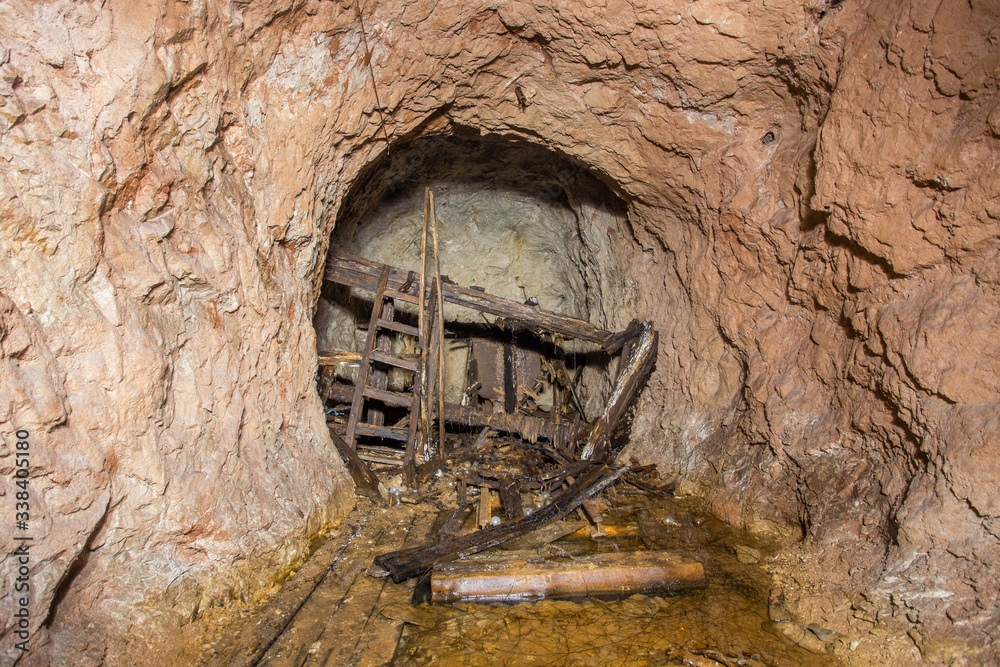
<point x="813" y="225"/>
<point x="511" y="216"/>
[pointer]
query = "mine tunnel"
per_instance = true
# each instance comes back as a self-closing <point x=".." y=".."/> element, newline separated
<point x="485" y="333"/>
<point x="512" y="218"/>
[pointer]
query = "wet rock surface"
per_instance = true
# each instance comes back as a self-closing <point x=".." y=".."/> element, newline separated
<point x="813" y="227"/>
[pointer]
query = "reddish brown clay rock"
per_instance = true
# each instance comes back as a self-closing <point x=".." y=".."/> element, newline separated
<point x="814" y="222"/>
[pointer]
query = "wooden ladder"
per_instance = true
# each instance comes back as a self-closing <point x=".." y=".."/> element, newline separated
<point x="371" y="382"/>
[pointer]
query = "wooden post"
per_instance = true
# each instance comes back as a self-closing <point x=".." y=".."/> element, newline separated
<point x="420" y="381"/>
<point x="440" y="329"/>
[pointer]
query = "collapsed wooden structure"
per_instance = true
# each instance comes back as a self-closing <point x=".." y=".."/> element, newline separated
<point x="370" y="397"/>
<point x="422" y="403"/>
<point x="583" y="450"/>
<point x="396" y="423"/>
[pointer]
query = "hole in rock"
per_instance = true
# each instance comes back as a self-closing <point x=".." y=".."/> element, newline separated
<point x="514" y="220"/>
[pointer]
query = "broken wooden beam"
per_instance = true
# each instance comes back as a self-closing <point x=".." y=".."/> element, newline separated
<point x="406" y="563"/>
<point x="365" y="480"/>
<point x="517" y="579"/>
<point x="528" y="427"/>
<point x="361" y="273"/>
<point x="612" y="425"/>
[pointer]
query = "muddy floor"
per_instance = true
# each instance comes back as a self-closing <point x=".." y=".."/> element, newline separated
<point x="726" y="623"/>
<point x="340" y="615"/>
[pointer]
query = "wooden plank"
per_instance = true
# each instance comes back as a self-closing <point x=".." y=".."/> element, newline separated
<point x="344" y="640"/>
<point x="418" y="411"/>
<point x="433" y="365"/>
<point x="363" y="274"/>
<point x="332" y="358"/>
<point x="397" y="360"/>
<point x="378" y="458"/>
<point x="484" y="512"/>
<point x="455" y="521"/>
<point x="545" y="535"/>
<point x="442" y="450"/>
<point x="510" y="500"/>
<point x="611" y="425"/>
<point x="392" y="398"/>
<point x="406" y="563"/>
<point x="357" y="402"/>
<point x="516" y="579"/>
<point x="265" y="626"/>
<point x="526" y="426"/>
<point x="365" y="480"/>
<point x="381" y="431"/>
<point x="402" y="296"/>
<point x="399" y="327"/>
<point x="509" y="381"/>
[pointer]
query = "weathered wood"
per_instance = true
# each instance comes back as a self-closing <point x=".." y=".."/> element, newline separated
<point x="389" y="432"/>
<point x="247" y="647"/>
<point x="514" y="579"/>
<point x="407" y="563"/>
<point x="455" y="520"/>
<point x="392" y="398"/>
<point x="434" y="365"/>
<point x="363" y="274"/>
<point x="364" y="479"/>
<point x="510" y="500"/>
<point x="333" y="358"/>
<point x="419" y="418"/>
<point x="509" y="381"/>
<point x="379" y="377"/>
<point x="528" y="427"/>
<point x="547" y="534"/>
<point x="357" y="401"/>
<point x="440" y="329"/>
<point x="484" y="513"/>
<point x="404" y="361"/>
<point x="615" y="341"/>
<point x="612" y="425"/>
<point x="399" y="327"/>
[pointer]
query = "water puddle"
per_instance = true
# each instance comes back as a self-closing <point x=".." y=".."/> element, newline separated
<point x="727" y="623"/>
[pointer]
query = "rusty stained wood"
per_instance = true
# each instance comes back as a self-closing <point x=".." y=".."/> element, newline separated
<point x="516" y="579"/>
<point x="406" y="563"/>
<point x="363" y="274"/>
<point x="357" y="400"/>
<point x="612" y="424"/>
<point x="365" y="480"/>
<point x="526" y="426"/>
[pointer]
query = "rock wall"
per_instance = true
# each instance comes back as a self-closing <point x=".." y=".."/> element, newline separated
<point x="813" y="226"/>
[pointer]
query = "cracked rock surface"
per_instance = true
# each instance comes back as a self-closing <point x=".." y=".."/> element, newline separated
<point x="812" y="198"/>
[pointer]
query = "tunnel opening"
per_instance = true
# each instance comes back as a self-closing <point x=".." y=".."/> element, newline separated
<point x="513" y="220"/>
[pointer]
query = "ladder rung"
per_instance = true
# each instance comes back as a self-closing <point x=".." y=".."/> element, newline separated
<point x="383" y="432"/>
<point x="389" y="397"/>
<point x="409" y="362"/>
<point x="409" y="298"/>
<point x="400" y="327"/>
<point x="384" y="460"/>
